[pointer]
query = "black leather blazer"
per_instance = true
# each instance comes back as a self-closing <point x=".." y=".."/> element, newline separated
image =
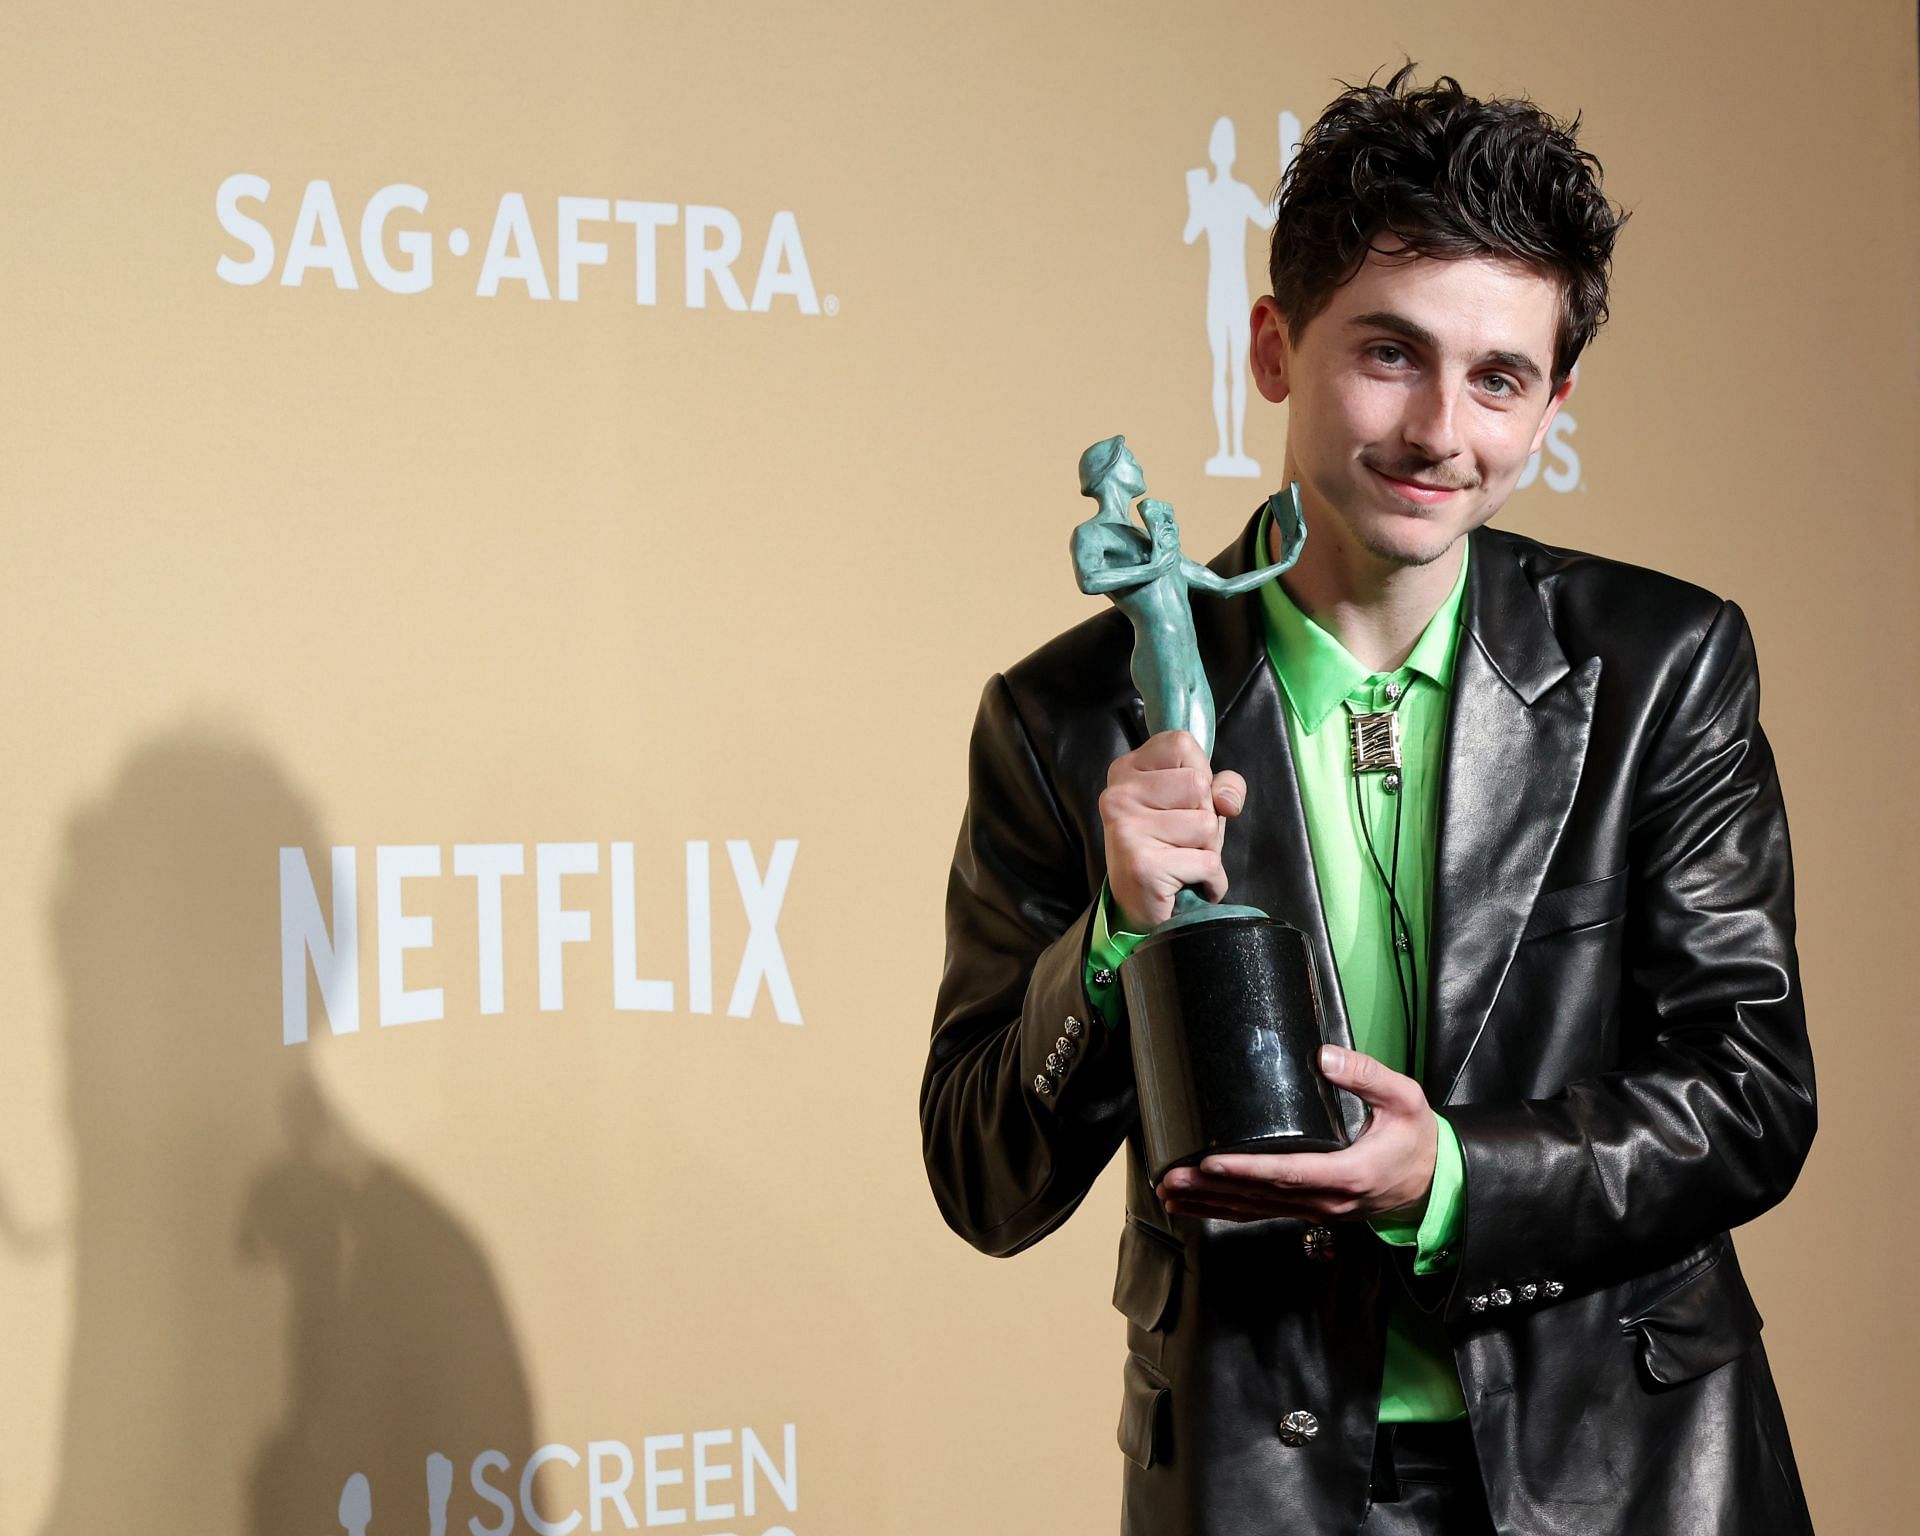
<point x="1616" y="1034"/>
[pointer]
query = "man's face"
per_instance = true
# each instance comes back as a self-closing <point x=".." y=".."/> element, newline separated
<point x="1416" y="396"/>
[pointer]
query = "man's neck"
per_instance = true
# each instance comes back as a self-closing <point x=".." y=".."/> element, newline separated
<point x="1376" y="609"/>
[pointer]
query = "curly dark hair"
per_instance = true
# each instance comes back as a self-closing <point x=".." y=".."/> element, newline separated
<point x="1446" y="175"/>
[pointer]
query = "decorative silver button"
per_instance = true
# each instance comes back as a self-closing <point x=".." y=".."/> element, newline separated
<point x="1391" y="783"/>
<point x="1055" y="1061"/>
<point x="1402" y="943"/>
<point x="1103" y="977"/>
<point x="1298" y="1427"/>
<point x="1476" y="1303"/>
<point x="1553" y="1288"/>
<point x="1042" y="1083"/>
<point x="1075" y="1029"/>
<point x="1317" y="1244"/>
<point x="1393" y="692"/>
<point x="1064" y="1046"/>
<point x="1500" y="1297"/>
<point x="1529" y="1291"/>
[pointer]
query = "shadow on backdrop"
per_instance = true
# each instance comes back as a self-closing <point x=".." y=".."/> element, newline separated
<point x="264" y="1305"/>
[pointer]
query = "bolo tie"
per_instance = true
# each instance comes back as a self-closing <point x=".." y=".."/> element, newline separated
<point x="1375" y="739"/>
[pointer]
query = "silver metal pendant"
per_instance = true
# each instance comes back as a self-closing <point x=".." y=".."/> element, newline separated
<point x="1376" y="741"/>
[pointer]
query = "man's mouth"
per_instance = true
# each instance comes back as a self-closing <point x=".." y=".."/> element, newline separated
<point x="1426" y="493"/>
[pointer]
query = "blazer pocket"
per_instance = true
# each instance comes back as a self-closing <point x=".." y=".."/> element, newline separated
<point x="1578" y="906"/>
<point x="1696" y="1323"/>
<point x="1146" y="1287"/>
<point x="1145" y="1403"/>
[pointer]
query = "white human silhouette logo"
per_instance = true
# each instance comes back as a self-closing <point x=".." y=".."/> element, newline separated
<point x="356" y="1505"/>
<point x="1221" y="208"/>
<point x="356" y="1499"/>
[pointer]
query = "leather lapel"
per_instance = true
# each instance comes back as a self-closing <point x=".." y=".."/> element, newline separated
<point x="1268" y="857"/>
<point x="1518" y="720"/>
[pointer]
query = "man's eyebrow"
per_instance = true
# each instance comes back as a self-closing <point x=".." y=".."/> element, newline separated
<point x="1400" y="325"/>
<point x="1517" y="362"/>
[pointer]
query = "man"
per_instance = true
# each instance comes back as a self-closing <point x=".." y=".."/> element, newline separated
<point x="1554" y="934"/>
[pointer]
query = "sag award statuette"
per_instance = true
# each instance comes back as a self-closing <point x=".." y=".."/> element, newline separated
<point x="1224" y="1019"/>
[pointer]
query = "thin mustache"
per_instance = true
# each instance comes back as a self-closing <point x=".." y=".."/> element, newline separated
<point x="1418" y="478"/>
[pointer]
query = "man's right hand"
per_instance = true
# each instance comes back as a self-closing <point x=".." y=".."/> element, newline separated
<point x="1165" y="814"/>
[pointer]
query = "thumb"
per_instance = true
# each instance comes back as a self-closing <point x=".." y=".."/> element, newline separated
<point x="1229" y="792"/>
<point x="1370" y="1080"/>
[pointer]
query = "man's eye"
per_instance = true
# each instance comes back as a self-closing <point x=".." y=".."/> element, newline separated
<point x="1388" y="354"/>
<point x="1500" y="384"/>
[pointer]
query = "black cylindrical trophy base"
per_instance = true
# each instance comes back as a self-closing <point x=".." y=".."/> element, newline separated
<point x="1226" y="1039"/>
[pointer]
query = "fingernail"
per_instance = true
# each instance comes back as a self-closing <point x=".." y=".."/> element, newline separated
<point x="1332" y="1058"/>
<point x="1232" y="797"/>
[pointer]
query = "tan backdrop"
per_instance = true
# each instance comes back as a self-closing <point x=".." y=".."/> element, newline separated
<point x="621" y="641"/>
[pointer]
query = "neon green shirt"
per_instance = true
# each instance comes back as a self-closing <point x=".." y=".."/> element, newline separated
<point x="1319" y="678"/>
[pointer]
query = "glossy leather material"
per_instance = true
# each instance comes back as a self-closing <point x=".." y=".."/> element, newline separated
<point x="1226" y="1043"/>
<point x="1617" y="1036"/>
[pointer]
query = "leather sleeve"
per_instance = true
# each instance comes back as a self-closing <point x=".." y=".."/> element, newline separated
<point x="1708" y="1119"/>
<point x="1009" y="1159"/>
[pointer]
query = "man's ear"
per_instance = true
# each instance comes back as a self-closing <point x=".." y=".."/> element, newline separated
<point x="1270" y="351"/>
<point x="1558" y="399"/>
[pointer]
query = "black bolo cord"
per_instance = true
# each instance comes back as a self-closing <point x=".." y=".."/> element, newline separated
<point x="1398" y="923"/>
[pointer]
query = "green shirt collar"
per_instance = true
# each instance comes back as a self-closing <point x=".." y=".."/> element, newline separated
<point x="1318" y="673"/>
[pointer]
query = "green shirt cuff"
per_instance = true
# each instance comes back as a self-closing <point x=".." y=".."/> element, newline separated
<point x="1432" y="1237"/>
<point x="1106" y="948"/>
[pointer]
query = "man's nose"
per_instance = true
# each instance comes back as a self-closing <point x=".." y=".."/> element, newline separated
<point x="1431" y="427"/>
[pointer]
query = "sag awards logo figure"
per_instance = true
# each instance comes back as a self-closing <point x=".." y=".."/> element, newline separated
<point x="1221" y="208"/>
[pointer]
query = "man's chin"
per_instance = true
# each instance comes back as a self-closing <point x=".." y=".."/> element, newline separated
<point x="1419" y="547"/>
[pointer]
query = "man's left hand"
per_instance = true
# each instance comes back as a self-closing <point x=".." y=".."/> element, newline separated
<point x="1386" y="1172"/>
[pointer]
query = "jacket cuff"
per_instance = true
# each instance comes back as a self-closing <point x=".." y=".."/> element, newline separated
<point x="1106" y="949"/>
<point x="1078" y="1072"/>
<point x="1504" y="1265"/>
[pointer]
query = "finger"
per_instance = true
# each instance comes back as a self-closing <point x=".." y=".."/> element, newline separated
<point x="1242" y="1203"/>
<point x="1170" y="749"/>
<point x="1141" y="910"/>
<point x="1302" y="1176"/>
<point x="1159" y="870"/>
<point x="1192" y="1184"/>
<point x="1199" y="1181"/>
<point x="1139" y="841"/>
<point x="1183" y="788"/>
<point x="1197" y="867"/>
<point x="1272" y="1207"/>
<point x="1229" y="792"/>
<point x="1369" y="1079"/>
<point x="1189" y="827"/>
<point x="1207" y="1210"/>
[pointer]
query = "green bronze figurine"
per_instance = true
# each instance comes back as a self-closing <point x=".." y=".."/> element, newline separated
<point x="1150" y="581"/>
